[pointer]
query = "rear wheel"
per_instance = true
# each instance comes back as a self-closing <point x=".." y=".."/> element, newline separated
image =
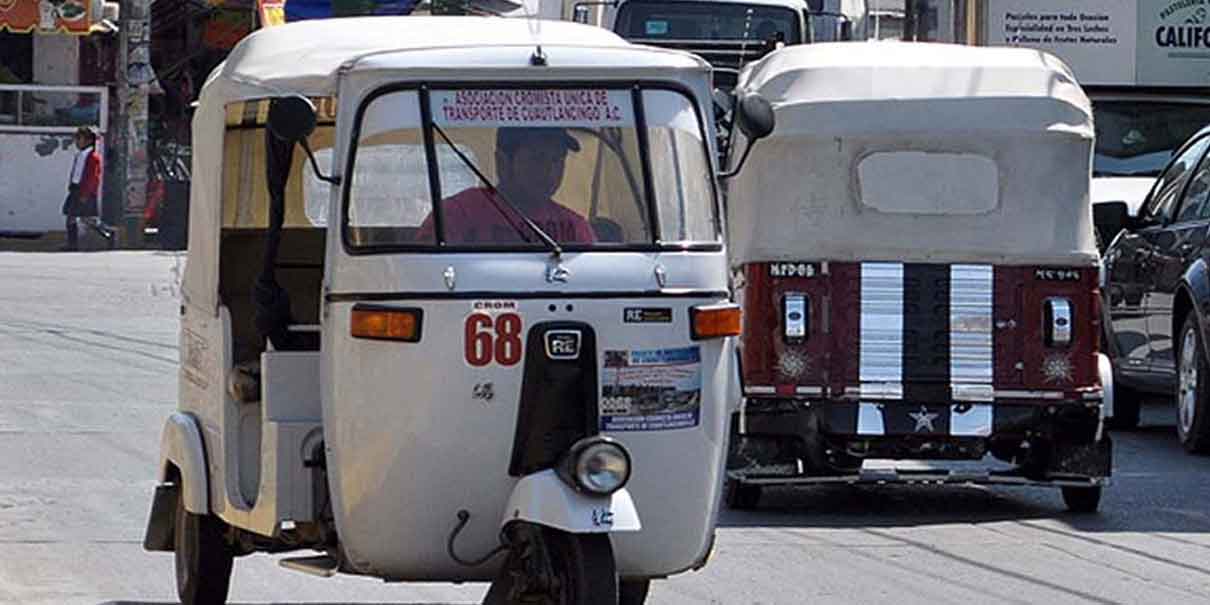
<point x="203" y="559"/>
<point x="742" y="496"/>
<point x="633" y="592"/>
<point x="1193" y="380"/>
<point x="1127" y="403"/>
<point x="578" y="569"/>
<point x="1082" y="499"/>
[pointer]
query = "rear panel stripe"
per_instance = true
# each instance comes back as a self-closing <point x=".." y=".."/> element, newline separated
<point x="926" y="333"/>
<point x="970" y="324"/>
<point x="881" y="347"/>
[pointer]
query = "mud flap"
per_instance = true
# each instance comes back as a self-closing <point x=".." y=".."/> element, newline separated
<point x="1093" y="460"/>
<point x="162" y="521"/>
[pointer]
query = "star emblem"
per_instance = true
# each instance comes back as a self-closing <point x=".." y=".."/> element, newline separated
<point x="924" y="419"/>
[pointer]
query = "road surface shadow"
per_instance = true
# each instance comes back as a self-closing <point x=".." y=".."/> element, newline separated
<point x="273" y="603"/>
<point x="1152" y="473"/>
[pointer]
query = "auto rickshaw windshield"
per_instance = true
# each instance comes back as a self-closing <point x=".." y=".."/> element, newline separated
<point x="581" y="163"/>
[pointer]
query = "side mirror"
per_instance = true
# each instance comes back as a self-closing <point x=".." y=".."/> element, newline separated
<point x="292" y="118"/>
<point x="754" y="116"/>
<point x="1110" y="218"/>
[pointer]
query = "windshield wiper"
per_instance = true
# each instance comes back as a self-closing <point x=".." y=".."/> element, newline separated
<point x="498" y="197"/>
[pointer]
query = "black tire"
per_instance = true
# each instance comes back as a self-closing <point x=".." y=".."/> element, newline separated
<point x="1127" y="404"/>
<point x="203" y="558"/>
<point x="1193" y="405"/>
<point x="1082" y="499"/>
<point x="584" y="568"/>
<point x="742" y="496"/>
<point x="633" y="592"/>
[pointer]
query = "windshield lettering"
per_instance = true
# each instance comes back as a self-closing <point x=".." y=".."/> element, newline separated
<point x="532" y="169"/>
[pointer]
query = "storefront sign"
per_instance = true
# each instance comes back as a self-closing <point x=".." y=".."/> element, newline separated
<point x="539" y="107"/>
<point x="1154" y="43"/>
<point x="47" y="16"/>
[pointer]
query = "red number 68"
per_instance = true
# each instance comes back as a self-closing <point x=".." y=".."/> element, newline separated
<point x="489" y="339"/>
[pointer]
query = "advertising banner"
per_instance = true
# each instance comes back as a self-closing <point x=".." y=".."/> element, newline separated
<point x="1112" y="42"/>
<point x="46" y="16"/>
<point x="1174" y="43"/>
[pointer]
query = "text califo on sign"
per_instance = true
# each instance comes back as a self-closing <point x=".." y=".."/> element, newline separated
<point x="1183" y="36"/>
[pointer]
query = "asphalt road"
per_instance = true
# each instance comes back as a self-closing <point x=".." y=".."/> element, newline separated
<point x="88" y="372"/>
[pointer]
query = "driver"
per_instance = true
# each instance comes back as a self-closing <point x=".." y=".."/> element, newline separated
<point x="529" y="166"/>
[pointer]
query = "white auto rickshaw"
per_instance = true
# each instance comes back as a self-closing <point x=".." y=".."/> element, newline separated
<point x="918" y="274"/>
<point x="490" y="340"/>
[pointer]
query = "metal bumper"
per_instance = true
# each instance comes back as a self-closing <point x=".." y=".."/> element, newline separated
<point x="1058" y="443"/>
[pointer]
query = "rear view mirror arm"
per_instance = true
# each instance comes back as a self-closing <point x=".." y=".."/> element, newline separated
<point x="333" y="180"/>
<point x="727" y="174"/>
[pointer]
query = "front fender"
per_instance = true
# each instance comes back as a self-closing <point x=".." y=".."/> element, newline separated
<point x="1196" y="285"/>
<point x="544" y="499"/>
<point x="181" y="446"/>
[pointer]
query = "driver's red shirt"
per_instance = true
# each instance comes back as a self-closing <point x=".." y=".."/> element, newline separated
<point x="471" y="217"/>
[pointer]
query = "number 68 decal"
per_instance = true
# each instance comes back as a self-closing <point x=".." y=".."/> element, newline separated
<point x="491" y="339"/>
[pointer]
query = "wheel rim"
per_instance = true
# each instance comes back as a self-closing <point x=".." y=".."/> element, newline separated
<point x="1187" y="397"/>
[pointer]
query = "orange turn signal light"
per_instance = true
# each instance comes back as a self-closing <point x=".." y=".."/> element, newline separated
<point x="386" y="323"/>
<point x="715" y="321"/>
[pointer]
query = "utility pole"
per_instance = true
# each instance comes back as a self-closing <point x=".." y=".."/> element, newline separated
<point x="130" y="133"/>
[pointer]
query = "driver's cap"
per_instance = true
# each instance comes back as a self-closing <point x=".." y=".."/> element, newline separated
<point x="511" y="139"/>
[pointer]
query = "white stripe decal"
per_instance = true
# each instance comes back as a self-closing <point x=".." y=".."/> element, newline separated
<point x="869" y="419"/>
<point x="881" y="346"/>
<point x="975" y="421"/>
<point x="971" y="351"/>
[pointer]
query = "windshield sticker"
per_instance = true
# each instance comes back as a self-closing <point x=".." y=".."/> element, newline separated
<point x="657" y="28"/>
<point x="651" y="390"/>
<point x="548" y="107"/>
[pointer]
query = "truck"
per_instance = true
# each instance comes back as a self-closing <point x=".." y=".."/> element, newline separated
<point x="728" y="33"/>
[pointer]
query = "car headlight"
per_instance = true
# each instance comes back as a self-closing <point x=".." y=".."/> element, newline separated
<point x="599" y="465"/>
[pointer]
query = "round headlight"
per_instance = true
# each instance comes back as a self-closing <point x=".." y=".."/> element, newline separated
<point x="602" y="467"/>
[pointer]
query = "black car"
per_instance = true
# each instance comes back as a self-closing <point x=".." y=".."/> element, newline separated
<point x="1156" y="291"/>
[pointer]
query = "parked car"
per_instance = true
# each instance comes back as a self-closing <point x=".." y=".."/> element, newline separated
<point x="1156" y="286"/>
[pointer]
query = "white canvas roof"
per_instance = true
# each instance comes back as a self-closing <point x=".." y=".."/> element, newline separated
<point x="916" y="152"/>
<point x="310" y="57"/>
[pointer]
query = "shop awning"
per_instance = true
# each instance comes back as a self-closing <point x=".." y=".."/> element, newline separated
<point x="74" y="17"/>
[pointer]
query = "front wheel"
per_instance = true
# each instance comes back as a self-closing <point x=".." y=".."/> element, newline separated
<point x="742" y="496"/>
<point x="203" y="558"/>
<point x="564" y="569"/>
<point x="1082" y="499"/>
<point x="1193" y="390"/>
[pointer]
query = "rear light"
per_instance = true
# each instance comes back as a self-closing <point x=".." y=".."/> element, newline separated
<point x="796" y="317"/>
<point x="1058" y="322"/>
<point x="386" y="323"/>
<point x="715" y="321"/>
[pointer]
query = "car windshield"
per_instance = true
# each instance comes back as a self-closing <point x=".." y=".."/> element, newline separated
<point x="516" y="168"/>
<point x="713" y="21"/>
<point x="1137" y="138"/>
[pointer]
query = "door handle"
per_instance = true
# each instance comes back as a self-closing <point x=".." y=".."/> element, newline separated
<point x="1186" y="248"/>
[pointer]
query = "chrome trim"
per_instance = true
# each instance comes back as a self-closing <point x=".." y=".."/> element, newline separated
<point x="809" y="391"/>
<point x="794" y="316"/>
<point x="971" y="324"/>
<point x="881" y="345"/>
<point x="760" y="390"/>
<point x="869" y="419"/>
<point x="975" y="421"/>
<point x="880" y="390"/>
<point x="972" y="392"/>
<point x="1058" y="329"/>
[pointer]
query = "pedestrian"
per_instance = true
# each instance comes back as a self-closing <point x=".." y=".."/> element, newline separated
<point x="83" y="188"/>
